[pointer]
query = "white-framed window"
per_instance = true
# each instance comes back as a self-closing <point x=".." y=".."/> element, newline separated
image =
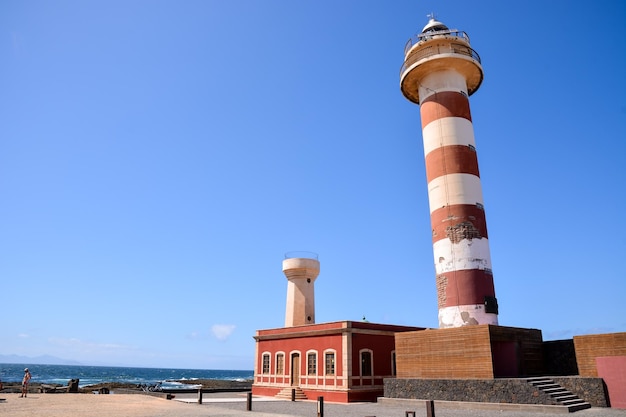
<point x="311" y="363"/>
<point x="329" y="362"/>
<point x="280" y="363"/>
<point x="265" y="363"/>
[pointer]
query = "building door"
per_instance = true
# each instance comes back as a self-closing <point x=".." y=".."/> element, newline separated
<point x="506" y="360"/>
<point x="295" y="369"/>
<point x="366" y="363"/>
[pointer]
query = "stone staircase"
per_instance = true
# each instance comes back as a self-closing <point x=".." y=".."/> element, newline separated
<point x="285" y="393"/>
<point x="559" y="394"/>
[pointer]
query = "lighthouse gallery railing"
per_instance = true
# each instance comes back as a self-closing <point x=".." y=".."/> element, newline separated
<point x="452" y="48"/>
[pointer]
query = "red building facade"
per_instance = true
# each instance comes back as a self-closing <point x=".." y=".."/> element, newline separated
<point x="343" y="361"/>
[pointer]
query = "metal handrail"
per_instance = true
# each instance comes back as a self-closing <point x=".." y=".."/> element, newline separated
<point x="429" y="35"/>
<point x="452" y="48"/>
<point x="302" y="254"/>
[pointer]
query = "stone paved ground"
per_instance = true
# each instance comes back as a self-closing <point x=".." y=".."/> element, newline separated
<point x="309" y="409"/>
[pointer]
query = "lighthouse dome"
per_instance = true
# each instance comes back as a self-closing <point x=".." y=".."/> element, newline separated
<point x="434" y="26"/>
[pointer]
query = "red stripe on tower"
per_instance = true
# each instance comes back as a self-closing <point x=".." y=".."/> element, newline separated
<point x="445" y="104"/>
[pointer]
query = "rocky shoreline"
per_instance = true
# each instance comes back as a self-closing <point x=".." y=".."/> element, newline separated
<point x="208" y="384"/>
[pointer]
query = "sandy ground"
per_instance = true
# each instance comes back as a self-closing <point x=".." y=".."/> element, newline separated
<point x="138" y="405"/>
<point x="114" y="405"/>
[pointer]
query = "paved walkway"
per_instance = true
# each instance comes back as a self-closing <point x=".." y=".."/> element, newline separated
<point x="269" y="406"/>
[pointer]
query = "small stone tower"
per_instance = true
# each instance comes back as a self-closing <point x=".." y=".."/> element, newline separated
<point x="440" y="72"/>
<point x="301" y="270"/>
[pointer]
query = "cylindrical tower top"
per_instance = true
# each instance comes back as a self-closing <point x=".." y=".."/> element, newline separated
<point x="438" y="48"/>
<point x="295" y="268"/>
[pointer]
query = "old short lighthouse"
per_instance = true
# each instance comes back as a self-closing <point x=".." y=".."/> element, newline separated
<point x="301" y="270"/>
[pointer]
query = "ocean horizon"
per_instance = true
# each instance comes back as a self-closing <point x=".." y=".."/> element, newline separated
<point x="92" y="375"/>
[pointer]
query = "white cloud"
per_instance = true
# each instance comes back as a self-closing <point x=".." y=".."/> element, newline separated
<point x="23" y="336"/>
<point x="193" y="335"/>
<point x="222" y="331"/>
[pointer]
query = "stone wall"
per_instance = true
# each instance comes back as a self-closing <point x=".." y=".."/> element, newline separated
<point x="504" y="390"/>
<point x="592" y="390"/>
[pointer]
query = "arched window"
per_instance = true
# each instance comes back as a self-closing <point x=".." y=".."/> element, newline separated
<point x="329" y="362"/>
<point x="311" y="363"/>
<point x="265" y="363"/>
<point x="280" y="363"/>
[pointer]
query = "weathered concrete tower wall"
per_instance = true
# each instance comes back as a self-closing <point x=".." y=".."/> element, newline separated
<point x="301" y="273"/>
<point x="440" y="71"/>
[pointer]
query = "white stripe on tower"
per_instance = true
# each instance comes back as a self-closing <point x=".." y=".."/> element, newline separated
<point x="447" y="132"/>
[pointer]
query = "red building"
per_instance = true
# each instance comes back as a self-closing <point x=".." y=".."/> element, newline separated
<point x="344" y="361"/>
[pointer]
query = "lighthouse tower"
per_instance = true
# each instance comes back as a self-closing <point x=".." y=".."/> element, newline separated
<point x="440" y="72"/>
<point x="301" y="270"/>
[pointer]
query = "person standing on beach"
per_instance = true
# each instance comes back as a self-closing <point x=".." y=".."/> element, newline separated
<point x="25" y="381"/>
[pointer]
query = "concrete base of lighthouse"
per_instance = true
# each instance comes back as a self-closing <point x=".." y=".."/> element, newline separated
<point x="482" y="351"/>
<point x="484" y="364"/>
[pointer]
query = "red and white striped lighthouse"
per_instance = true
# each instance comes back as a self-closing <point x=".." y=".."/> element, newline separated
<point x="440" y="72"/>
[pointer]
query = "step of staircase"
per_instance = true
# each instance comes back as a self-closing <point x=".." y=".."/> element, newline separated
<point x="538" y="380"/>
<point x="562" y="396"/>
<point x="546" y="387"/>
<point x="553" y="390"/>
<point x="582" y="406"/>
<point x="286" y="393"/>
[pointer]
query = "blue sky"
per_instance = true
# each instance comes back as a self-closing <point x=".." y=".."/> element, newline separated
<point x="158" y="158"/>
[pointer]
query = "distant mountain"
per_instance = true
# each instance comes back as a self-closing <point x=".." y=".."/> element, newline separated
<point x="39" y="360"/>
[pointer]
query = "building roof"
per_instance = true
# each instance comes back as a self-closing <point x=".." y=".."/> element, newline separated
<point x="335" y="327"/>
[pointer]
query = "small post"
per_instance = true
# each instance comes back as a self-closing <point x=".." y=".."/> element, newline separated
<point x="200" y="395"/>
<point x="249" y="402"/>
<point x="430" y="408"/>
<point x="409" y="414"/>
<point x="320" y="406"/>
<point x="293" y="394"/>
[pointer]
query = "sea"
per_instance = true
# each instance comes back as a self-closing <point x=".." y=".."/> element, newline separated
<point x="91" y="375"/>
